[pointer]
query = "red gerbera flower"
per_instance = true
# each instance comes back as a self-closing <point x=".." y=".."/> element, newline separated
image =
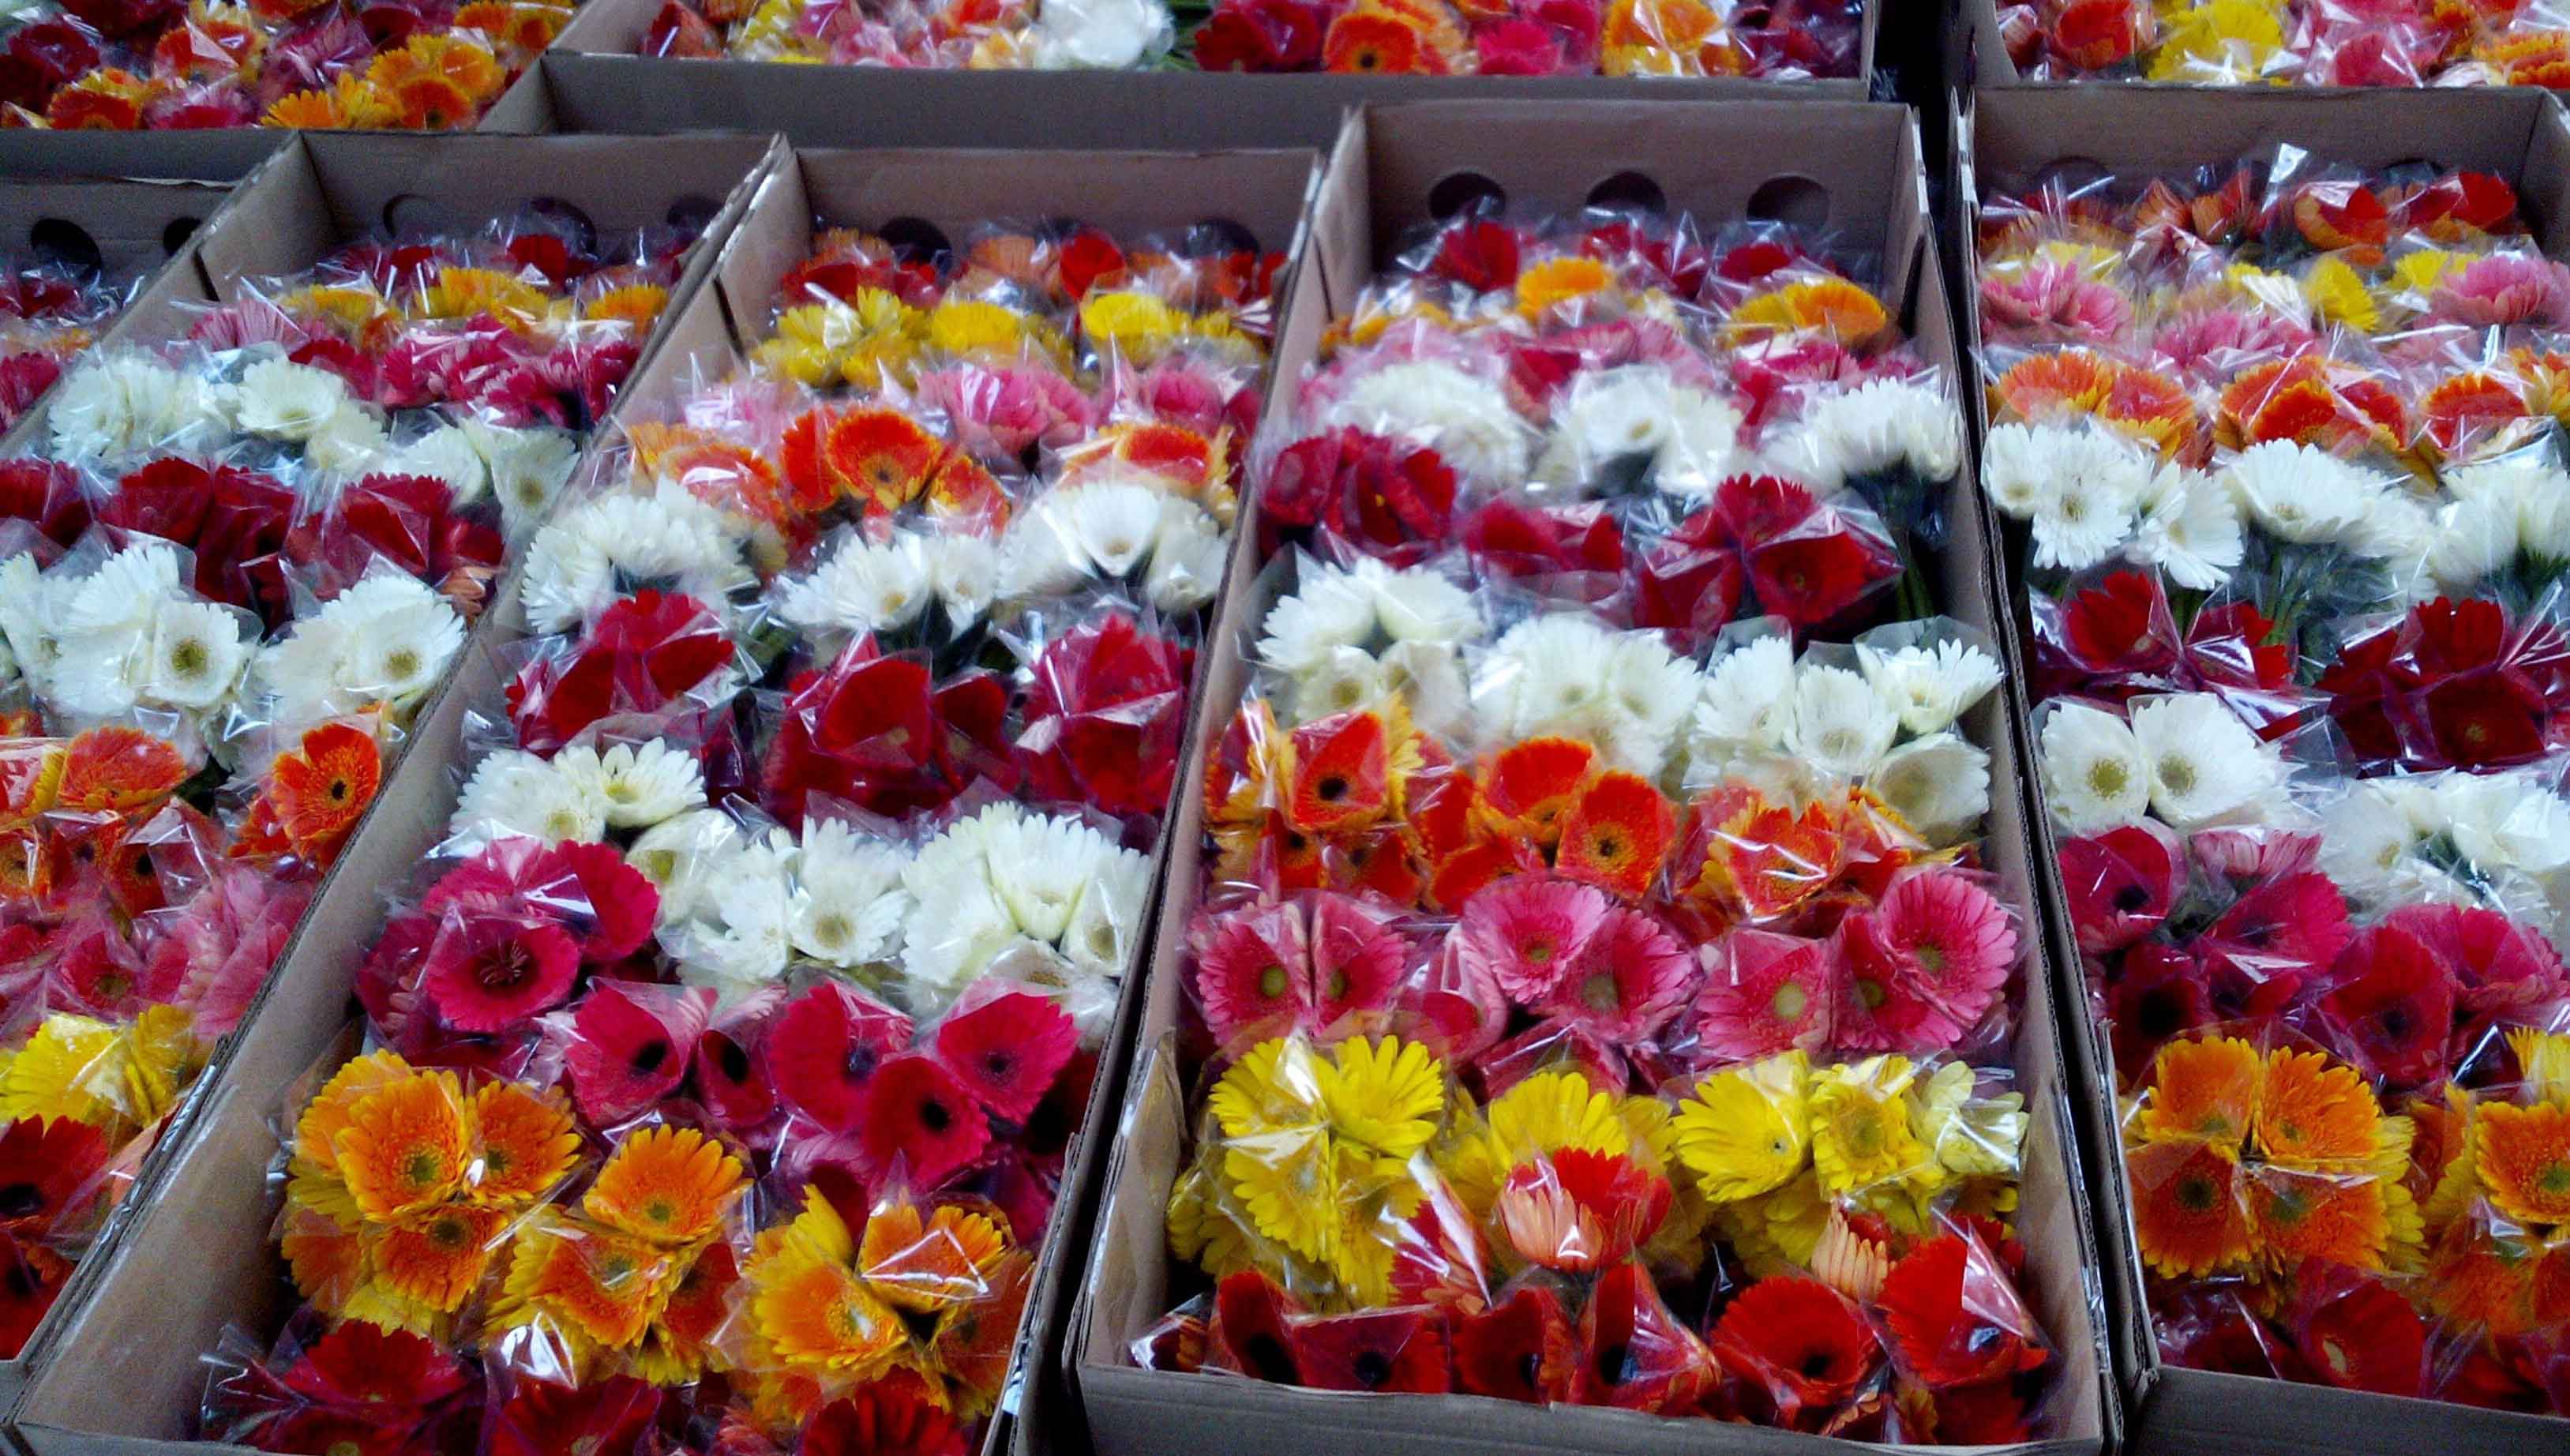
<point x="2502" y="968"/>
<point x="1994" y="1413"/>
<point x="1526" y="934"/>
<point x="1005" y="1050"/>
<point x="2156" y="993"/>
<point x="1548" y="543"/>
<point x="1253" y="972"/>
<point x="542" y="1418"/>
<point x="1103" y="715"/>
<point x="45" y="1167"/>
<point x="1689" y="582"/>
<point x="643" y="654"/>
<point x="617" y="903"/>
<point x="2272" y="941"/>
<point x="826" y="1046"/>
<point x="492" y="972"/>
<point x="1342" y="774"/>
<point x="1577" y="1210"/>
<point x="31" y="1277"/>
<point x="1634" y="1353"/>
<point x="893" y="1416"/>
<point x="1767" y="993"/>
<point x="2393" y="1010"/>
<point x="1955" y="1318"/>
<point x="2356" y="1332"/>
<point x="1250" y="1316"/>
<point x="630" y="1046"/>
<point x="1814" y="578"/>
<point x="2120" y="626"/>
<point x="47" y="494"/>
<point x="2121" y="884"/>
<point x="1925" y="964"/>
<point x="1521" y="1348"/>
<point x="1377" y="1349"/>
<point x="1529" y="787"/>
<point x="1801" y="1342"/>
<point x="1388" y="498"/>
<point x="918" y="1115"/>
<point x="359" y="1364"/>
<point x="731" y="1078"/>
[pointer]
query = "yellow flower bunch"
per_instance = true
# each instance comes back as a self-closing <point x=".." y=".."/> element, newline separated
<point x="865" y="343"/>
<point x="118" y="1078"/>
<point x="989" y="333"/>
<point x="2339" y="294"/>
<point x="1141" y="327"/>
<point x="2220" y="42"/>
<point x="466" y="292"/>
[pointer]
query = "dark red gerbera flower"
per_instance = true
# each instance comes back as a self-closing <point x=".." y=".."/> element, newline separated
<point x="1993" y="1413"/>
<point x="2360" y="688"/>
<point x="2119" y="625"/>
<point x="2154" y="993"/>
<point x="2392" y="1012"/>
<point x="1815" y="577"/>
<point x="47" y="494"/>
<point x="167" y="498"/>
<point x="1005" y="1050"/>
<point x="731" y="1078"/>
<point x="892" y="1417"/>
<point x="1250" y="1318"/>
<point x="31" y="1277"/>
<point x="826" y="1046"/>
<point x="2356" y="1332"/>
<point x="1800" y="1344"/>
<point x="1104" y="711"/>
<point x="1386" y="497"/>
<point x="2235" y="646"/>
<point x="45" y="1167"/>
<point x="1523" y="542"/>
<point x="919" y="1118"/>
<point x="1521" y="1349"/>
<point x="601" y="1418"/>
<point x="1377" y="1349"/>
<point x="2121" y="884"/>
<point x="1955" y="1318"/>
<point x="2484" y="718"/>
<point x="358" y="1364"/>
<point x="23" y="378"/>
<point x="1634" y="1353"/>
<point x="2272" y="940"/>
<point x="2502" y="967"/>
<point x="1479" y="253"/>
<point x="1689" y="582"/>
<point x="643" y="655"/>
<point x="630" y="1046"/>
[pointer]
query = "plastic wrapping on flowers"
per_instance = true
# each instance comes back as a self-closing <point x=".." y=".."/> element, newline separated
<point x="1800" y="40"/>
<point x="2290" y="42"/>
<point x="49" y="314"/>
<point x="2283" y="443"/>
<point x="221" y="598"/>
<point x="980" y="35"/>
<point x="125" y="65"/>
<point x="1597" y="994"/>
<point x="724" y="1070"/>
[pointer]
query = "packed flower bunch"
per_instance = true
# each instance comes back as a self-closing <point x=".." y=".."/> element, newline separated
<point x="1602" y="998"/>
<point x="784" y="913"/>
<point x="125" y="65"/>
<point x="2288" y="42"/>
<point x="2294" y="633"/>
<point x="49" y="313"/>
<point x="980" y="35"/>
<point x="1802" y="40"/>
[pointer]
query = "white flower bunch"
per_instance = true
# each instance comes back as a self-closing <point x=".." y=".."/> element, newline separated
<point x="389" y="638"/>
<point x="578" y="793"/>
<point x="2506" y="518"/>
<point x="2184" y="758"/>
<point x="734" y="931"/>
<point x="886" y="586"/>
<point x="1687" y="439"/>
<point x="115" y="407"/>
<point x="1461" y="416"/>
<point x="1566" y="673"/>
<point x="1111" y="526"/>
<point x="126" y="634"/>
<point x="1350" y="637"/>
<point x="1887" y="723"/>
<point x="738" y="909"/>
<point x="1034" y="898"/>
<point x="2306" y="496"/>
<point x="2455" y="837"/>
<point x="1874" y="429"/>
<point x="2089" y="493"/>
<point x="277" y="399"/>
<point x="1098" y="35"/>
<point x="585" y="560"/>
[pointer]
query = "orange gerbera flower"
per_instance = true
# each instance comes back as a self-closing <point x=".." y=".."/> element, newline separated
<point x="818" y="1317"/>
<point x="666" y="1186"/>
<point x="517" y="31"/>
<point x="2314" y="1113"/>
<point x="523" y="1145"/>
<point x="2151" y="405"/>
<point x="31" y="778"/>
<point x="428" y="103"/>
<point x="1617" y="833"/>
<point x="458" y="61"/>
<point x="2205" y="1090"/>
<point x="321" y="789"/>
<point x="2062" y="382"/>
<point x="725" y="474"/>
<point x="2294" y="1215"/>
<point x="2187" y="1207"/>
<point x="105" y="100"/>
<point x="1760" y="860"/>
<point x="316" y="1133"/>
<point x="1374" y="42"/>
<point x="881" y="457"/>
<point x="928" y="1265"/>
<point x="634" y="303"/>
<point x="2482" y="1282"/>
<point x="26" y="871"/>
<point x="118" y="769"/>
<point x="2466" y="406"/>
<point x="406" y="1146"/>
<point x="2551" y="1293"/>
<point x="965" y="497"/>
<point x="974" y="1341"/>
<point x="315" y="111"/>
<point x="326" y="1260"/>
<point x="1528" y="787"/>
<point x="2530" y="57"/>
<point x="1675" y="25"/>
<point x="602" y="1286"/>
<point x="1833" y="307"/>
<point x="1344" y="773"/>
<point x="1554" y="282"/>
<point x="437" y="1256"/>
<point x="675" y="1350"/>
<point x="2522" y="1156"/>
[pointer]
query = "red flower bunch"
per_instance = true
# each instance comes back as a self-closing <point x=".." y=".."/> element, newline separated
<point x="1103" y="715"/>
<point x="54" y="1174"/>
<point x="881" y="733"/>
<point x="411" y="521"/>
<point x="2422" y="995"/>
<point x="357" y="1386"/>
<point x="2114" y="634"/>
<point x="1764" y="546"/>
<point x="2453" y="685"/>
<point x="46" y="316"/>
<point x="645" y="658"/>
<point x="1382" y="496"/>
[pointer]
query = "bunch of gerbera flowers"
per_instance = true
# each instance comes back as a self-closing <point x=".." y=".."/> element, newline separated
<point x="2283" y="42"/>
<point x="49" y="312"/>
<point x="1538" y="38"/>
<point x="1053" y="35"/>
<point x="122" y="66"/>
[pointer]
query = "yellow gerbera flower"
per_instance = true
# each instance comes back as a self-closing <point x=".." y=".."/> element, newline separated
<point x="1136" y="323"/>
<point x="1288" y="1183"/>
<point x="975" y="326"/>
<point x="2218" y="42"/>
<point x="161" y="1057"/>
<point x="1384" y="1096"/>
<point x="1200" y="1231"/>
<point x="1276" y="1087"/>
<point x="67" y="1070"/>
<point x="1796" y="1216"/>
<point x="1860" y="1128"/>
<point x="2420" y="272"/>
<point x="1555" y="1111"/>
<point x="2543" y="1061"/>
<point x="1747" y="1130"/>
<point x="461" y="292"/>
<point x="2338" y="295"/>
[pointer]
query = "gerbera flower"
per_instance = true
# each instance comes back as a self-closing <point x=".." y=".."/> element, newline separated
<point x="2332" y="1216"/>
<point x="1386" y="1095"/>
<point x="929" y="1262"/>
<point x="405" y="1146"/>
<point x="523" y="1145"/>
<point x="1766" y="993"/>
<point x="1343" y="772"/>
<point x="1747" y="1130"/>
<point x="118" y="769"/>
<point x="666" y="1186"/>
<point x="1521" y="1348"/>
<point x="325" y="785"/>
<point x="880" y="457"/>
<point x="1577" y="1212"/>
<point x="1007" y="1049"/>
<point x="917" y="1114"/>
<point x="1252" y="972"/>
<point x="2394" y="1006"/>
<point x="1801" y="1340"/>
<point x="2121" y="884"/>
<point x="824" y="1047"/>
<point x="1634" y="1353"/>
<point x="2522" y="1156"/>
<point x="542" y="1416"/>
<point x="2314" y="1113"/>
<point x="1527" y="933"/>
<point x="2206" y="1090"/>
<point x="1382" y="1350"/>
<point x="2189" y="1207"/>
<point x="494" y="972"/>
<point x="1860" y="1134"/>
<point x="2095" y="775"/>
<point x="1954" y="1315"/>
<point x="1629" y="978"/>
<point x="1250" y="1327"/>
<point x="2359" y="1334"/>
<point x="45" y="1167"/>
<point x="814" y="1312"/>
<point x="1615" y="833"/>
<point x="436" y="1256"/>
<point x="630" y="1046"/>
<point x="896" y="1415"/>
<point x="595" y="1285"/>
<point x="1926" y="964"/>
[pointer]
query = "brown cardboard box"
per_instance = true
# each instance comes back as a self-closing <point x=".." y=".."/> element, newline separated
<point x="595" y="82"/>
<point x="318" y="192"/>
<point x="2008" y="136"/>
<point x="1856" y="168"/>
<point x="200" y="1254"/>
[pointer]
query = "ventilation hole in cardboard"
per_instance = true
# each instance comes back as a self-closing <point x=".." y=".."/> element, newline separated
<point x="916" y="240"/>
<point x="175" y="236"/>
<point x="1216" y="236"/>
<point x="692" y="213"/>
<point x="2417" y="164"/>
<point x="1795" y="199"/>
<point x="1629" y="191"/>
<point x="413" y="216"/>
<point x="1054" y="227"/>
<point x="1459" y="192"/>
<point x="570" y="218"/>
<point x="64" y="244"/>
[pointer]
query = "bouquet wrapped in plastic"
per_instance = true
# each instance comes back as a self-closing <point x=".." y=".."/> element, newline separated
<point x="1018" y="35"/>
<point x="49" y="315"/>
<point x="2295" y="626"/>
<point x="1801" y="41"/>
<point x="2288" y="43"/>
<point x="1597" y="993"/>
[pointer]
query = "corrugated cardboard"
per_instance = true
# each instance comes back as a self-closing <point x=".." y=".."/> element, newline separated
<point x="322" y="191"/>
<point x="127" y="1377"/>
<point x="2008" y="137"/>
<point x="225" y="156"/>
<point x="1857" y="168"/>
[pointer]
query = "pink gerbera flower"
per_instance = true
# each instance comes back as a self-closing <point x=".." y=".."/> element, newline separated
<point x="1253" y="972"/>
<point x="491" y="972"/>
<point x="1007" y="1048"/>
<point x="1359" y="959"/>
<point x="1925" y="964"/>
<point x="630" y="1046"/>
<point x="1528" y="932"/>
<point x="1630" y="978"/>
<point x="2503" y="970"/>
<point x="825" y="1047"/>
<point x="1767" y="993"/>
<point x="1455" y="1007"/>
<point x="2272" y="941"/>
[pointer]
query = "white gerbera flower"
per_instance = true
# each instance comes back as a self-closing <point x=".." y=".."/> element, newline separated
<point x="402" y="646"/>
<point x="649" y="783"/>
<point x="1416" y="605"/>
<point x="956" y="925"/>
<point x="2189" y="528"/>
<point x="1747" y="701"/>
<point x="1841" y="726"/>
<point x="864" y="586"/>
<point x="121" y="405"/>
<point x="447" y="453"/>
<point x="675" y="854"/>
<point x="349" y="444"/>
<point x="2093" y="482"/>
<point x="1098" y="35"/>
<point x="529" y="468"/>
<point x="2014" y="468"/>
<point x="1107" y="927"/>
<point x="2096" y="775"/>
<point x="1345" y="681"/>
<point x="849" y="902"/>
<point x="1929" y="684"/>
<point x="2206" y="765"/>
<point x="1939" y="785"/>
<point x="1651" y="692"/>
<point x="2507" y="821"/>
<point x="2299" y="493"/>
<point x="740" y="940"/>
<point x="2474" y="536"/>
<point x="514" y="792"/>
<point x="280" y="400"/>
<point x="1703" y="448"/>
<point x="2368" y="832"/>
<point x="1566" y="673"/>
<point x="1429" y="675"/>
<point x="582" y="563"/>
<point x="1328" y="609"/>
<point x="124" y="593"/>
<point x="964" y="570"/>
<point x="24" y="615"/>
<point x="1462" y="417"/>
<point x="1186" y="559"/>
<point x="1606" y="415"/>
<point x="197" y="655"/>
<point x="2396" y="528"/>
<point x="1880" y="427"/>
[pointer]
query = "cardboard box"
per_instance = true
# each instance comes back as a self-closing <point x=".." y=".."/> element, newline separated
<point x="200" y="1257"/>
<point x="1856" y="168"/>
<point x="2008" y="137"/>
<point x="314" y="193"/>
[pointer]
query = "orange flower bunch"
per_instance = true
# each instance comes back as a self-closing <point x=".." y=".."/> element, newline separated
<point x="1396" y="38"/>
<point x="2149" y="404"/>
<point x="2311" y="399"/>
<point x="1671" y="38"/>
<point x="1746" y="858"/>
<point x="1323" y="804"/>
<point x="69" y="808"/>
<point x="1545" y="803"/>
<point x="2492" y="1177"/>
<point x="314" y="794"/>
